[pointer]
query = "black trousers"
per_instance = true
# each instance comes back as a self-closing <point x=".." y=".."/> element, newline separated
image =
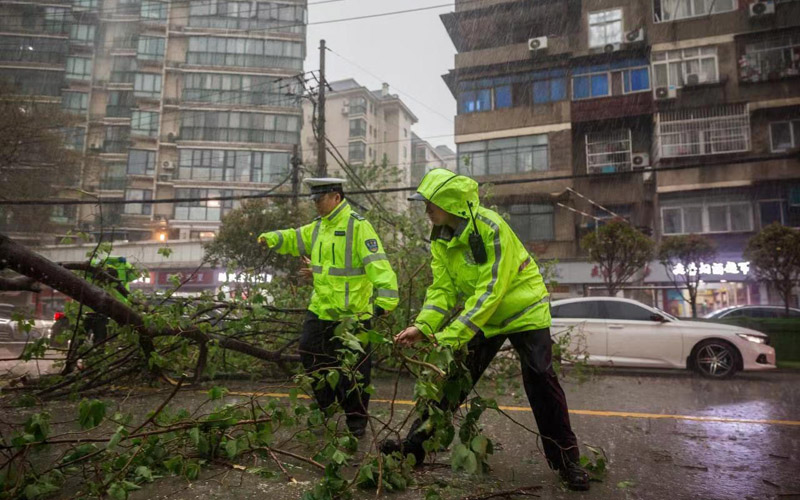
<point x="318" y="348"/>
<point x="545" y="395"/>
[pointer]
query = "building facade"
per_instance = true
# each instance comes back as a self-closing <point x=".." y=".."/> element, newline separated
<point x="365" y="126"/>
<point x="680" y="116"/>
<point x="174" y="100"/>
<point x="424" y="157"/>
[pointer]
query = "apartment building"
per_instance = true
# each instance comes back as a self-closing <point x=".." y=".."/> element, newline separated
<point x="425" y="157"/>
<point x="679" y="115"/>
<point x="175" y="99"/>
<point x="365" y="126"/>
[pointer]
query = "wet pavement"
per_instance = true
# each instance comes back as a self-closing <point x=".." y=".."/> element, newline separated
<point x="666" y="435"/>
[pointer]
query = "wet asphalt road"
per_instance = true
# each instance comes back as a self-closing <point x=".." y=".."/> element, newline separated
<point x="666" y="435"/>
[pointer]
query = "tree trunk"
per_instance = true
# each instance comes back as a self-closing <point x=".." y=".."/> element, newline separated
<point x="24" y="261"/>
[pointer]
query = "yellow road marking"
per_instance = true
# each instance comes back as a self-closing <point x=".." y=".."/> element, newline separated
<point x="593" y="413"/>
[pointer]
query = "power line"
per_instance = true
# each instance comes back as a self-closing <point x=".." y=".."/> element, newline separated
<point x="704" y="164"/>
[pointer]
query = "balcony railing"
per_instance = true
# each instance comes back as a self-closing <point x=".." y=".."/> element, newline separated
<point x="113" y="184"/>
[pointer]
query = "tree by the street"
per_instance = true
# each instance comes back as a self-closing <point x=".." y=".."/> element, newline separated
<point x="774" y="255"/>
<point x="684" y="257"/>
<point x="34" y="161"/>
<point x="620" y="251"/>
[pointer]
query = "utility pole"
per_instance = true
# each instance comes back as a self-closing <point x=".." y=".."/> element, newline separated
<point x="322" y="161"/>
<point x="296" y="162"/>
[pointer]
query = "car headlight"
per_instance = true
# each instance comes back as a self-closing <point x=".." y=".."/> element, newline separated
<point x="758" y="339"/>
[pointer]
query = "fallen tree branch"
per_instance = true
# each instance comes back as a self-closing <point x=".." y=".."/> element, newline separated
<point x="19" y="284"/>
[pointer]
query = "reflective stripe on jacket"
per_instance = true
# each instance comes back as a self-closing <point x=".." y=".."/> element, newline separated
<point x="347" y="260"/>
<point x="506" y="294"/>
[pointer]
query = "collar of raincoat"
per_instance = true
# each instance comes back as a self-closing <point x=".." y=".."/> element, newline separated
<point x="338" y="212"/>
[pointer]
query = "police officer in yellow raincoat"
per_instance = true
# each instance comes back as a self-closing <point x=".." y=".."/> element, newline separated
<point x="477" y="256"/>
<point x="348" y="265"/>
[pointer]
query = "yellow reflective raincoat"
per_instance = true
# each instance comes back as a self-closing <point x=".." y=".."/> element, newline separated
<point x="347" y="260"/>
<point x="506" y="294"/>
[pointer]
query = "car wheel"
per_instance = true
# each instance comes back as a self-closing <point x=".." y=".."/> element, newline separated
<point x="716" y="359"/>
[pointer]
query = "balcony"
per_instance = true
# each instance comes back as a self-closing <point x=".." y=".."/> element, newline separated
<point x="606" y="108"/>
<point x="113" y="184"/>
<point x="769" y="64"/>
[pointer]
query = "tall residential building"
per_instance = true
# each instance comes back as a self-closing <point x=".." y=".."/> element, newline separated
<point x="366" y="126"/>
<point x="425" y="157"/>
<point x="680" y="116"/>
<point x="176" y="99"/>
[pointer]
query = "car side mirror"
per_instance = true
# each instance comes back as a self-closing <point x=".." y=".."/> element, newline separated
<point x="658" y="317"/>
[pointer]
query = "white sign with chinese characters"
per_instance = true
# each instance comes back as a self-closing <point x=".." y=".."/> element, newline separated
<point x="715" y="268"/>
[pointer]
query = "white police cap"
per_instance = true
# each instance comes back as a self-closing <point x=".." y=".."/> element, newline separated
<point x="323" y="185"/>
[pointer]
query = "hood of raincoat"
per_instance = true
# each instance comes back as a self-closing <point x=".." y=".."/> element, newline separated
<point x="450" y="192"/>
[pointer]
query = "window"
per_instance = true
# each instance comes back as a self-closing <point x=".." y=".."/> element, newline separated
<point x="703" y="131"/>
<point x="147" y="85"/>
<point x="239" y="89"/>
<point x="79" y="68"/>
<point x="74" y="138"/>
<point x="75" y="102"/>
<point x="357" y="151"/>
<point x="504" y="156"/>
<point x="151" y="48"/>
<point x="626" y="311"/>
<point x="358" y="128"/>
<point x="246" y="15"/>
<point x="358" y="106"/>
<point x="475" y="100"/>
<point x="228" y="126"/>
<point x="405" y="133"/>
<point x="636" y="80"/>
<point x="139" y="195"/>
<point x="590" y="86"/>
<point x="233" y="165"/>
<point x="56" y="20"/>
<point x="211" y="210"/>
<point x="245" y="52"/>
<point x="85" y="4"/>
<point x="113" y="177"/>
<point x="141" y="162"/>
<point x="605" y="27"/>
<point x="32" y="82"/>
<point x="671" y="10"/>
<point x="771" y="59"/>
<point x="608" y="152"/>
<point x="153" y="10"/>
<point x="677" y="68"/>
<point x="32" y="49"/>
<point x="123" y="69"/>
<point x="117" y="140"/>
<point x="82" y="33"/>
<point x="119" y="104"/>
<point x="723" y="217"/>
<point x="550" y="90"/>
<point x="588" y="309"/>
<point x="784" y="135"/>
<point x="532" y="222"/>
<point x="502" y="97"/>
<point x="144" y="123"/>
<point x="63" y="214"/>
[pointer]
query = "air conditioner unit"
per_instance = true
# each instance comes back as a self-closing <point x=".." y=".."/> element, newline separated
<point x="538" y="43"/>
<point x="610" y="47"/>
<point x="640" y="161"/>
<point x="167" y="165"/>
<point x="95" y="147"/>
<point x="170" y="137"/>
<point x="595" y="170"/>
<point x="692" y="79"/>
<point x="663" y="93"/>
<point x="634" y="36"/>
<point x="164" y="177"/>
<point x="762" y="8"/>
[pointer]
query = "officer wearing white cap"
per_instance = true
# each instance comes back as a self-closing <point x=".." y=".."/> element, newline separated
<point x="348" y="265"/>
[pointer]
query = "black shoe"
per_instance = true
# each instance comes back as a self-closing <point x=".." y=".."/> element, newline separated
<point x="389" y="446"/>
<point x="576" y="478"/>
<point x="358" y="432"/>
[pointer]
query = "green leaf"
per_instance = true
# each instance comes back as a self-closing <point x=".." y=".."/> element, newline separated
<point x="194" y="435"/>
<point x="625" y="484"/>
<point x="116" y="438"/>
<point x="333" y="378"/>
<point x="91" y="413"/>
<point x="231" y="448"/>
<point x="471" y="463"/>
<point x="217" y="393"/>
<point x="144" y="473"/>
<point x="479" y="445"/>
<point x="459" y="456"/>
<point x="432" y="495"/>
<point x="117" y="491"/>
<point x="165" y="252"/>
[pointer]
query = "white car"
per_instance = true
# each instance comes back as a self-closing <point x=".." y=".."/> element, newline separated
<point x="624" y="332"/>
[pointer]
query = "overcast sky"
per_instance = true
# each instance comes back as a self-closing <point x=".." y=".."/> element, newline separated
<point x="410" y="52"/>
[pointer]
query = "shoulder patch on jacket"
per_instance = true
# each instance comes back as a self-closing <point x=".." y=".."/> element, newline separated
<point x="372" y="245"/>
<point x="357" y="216"/>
